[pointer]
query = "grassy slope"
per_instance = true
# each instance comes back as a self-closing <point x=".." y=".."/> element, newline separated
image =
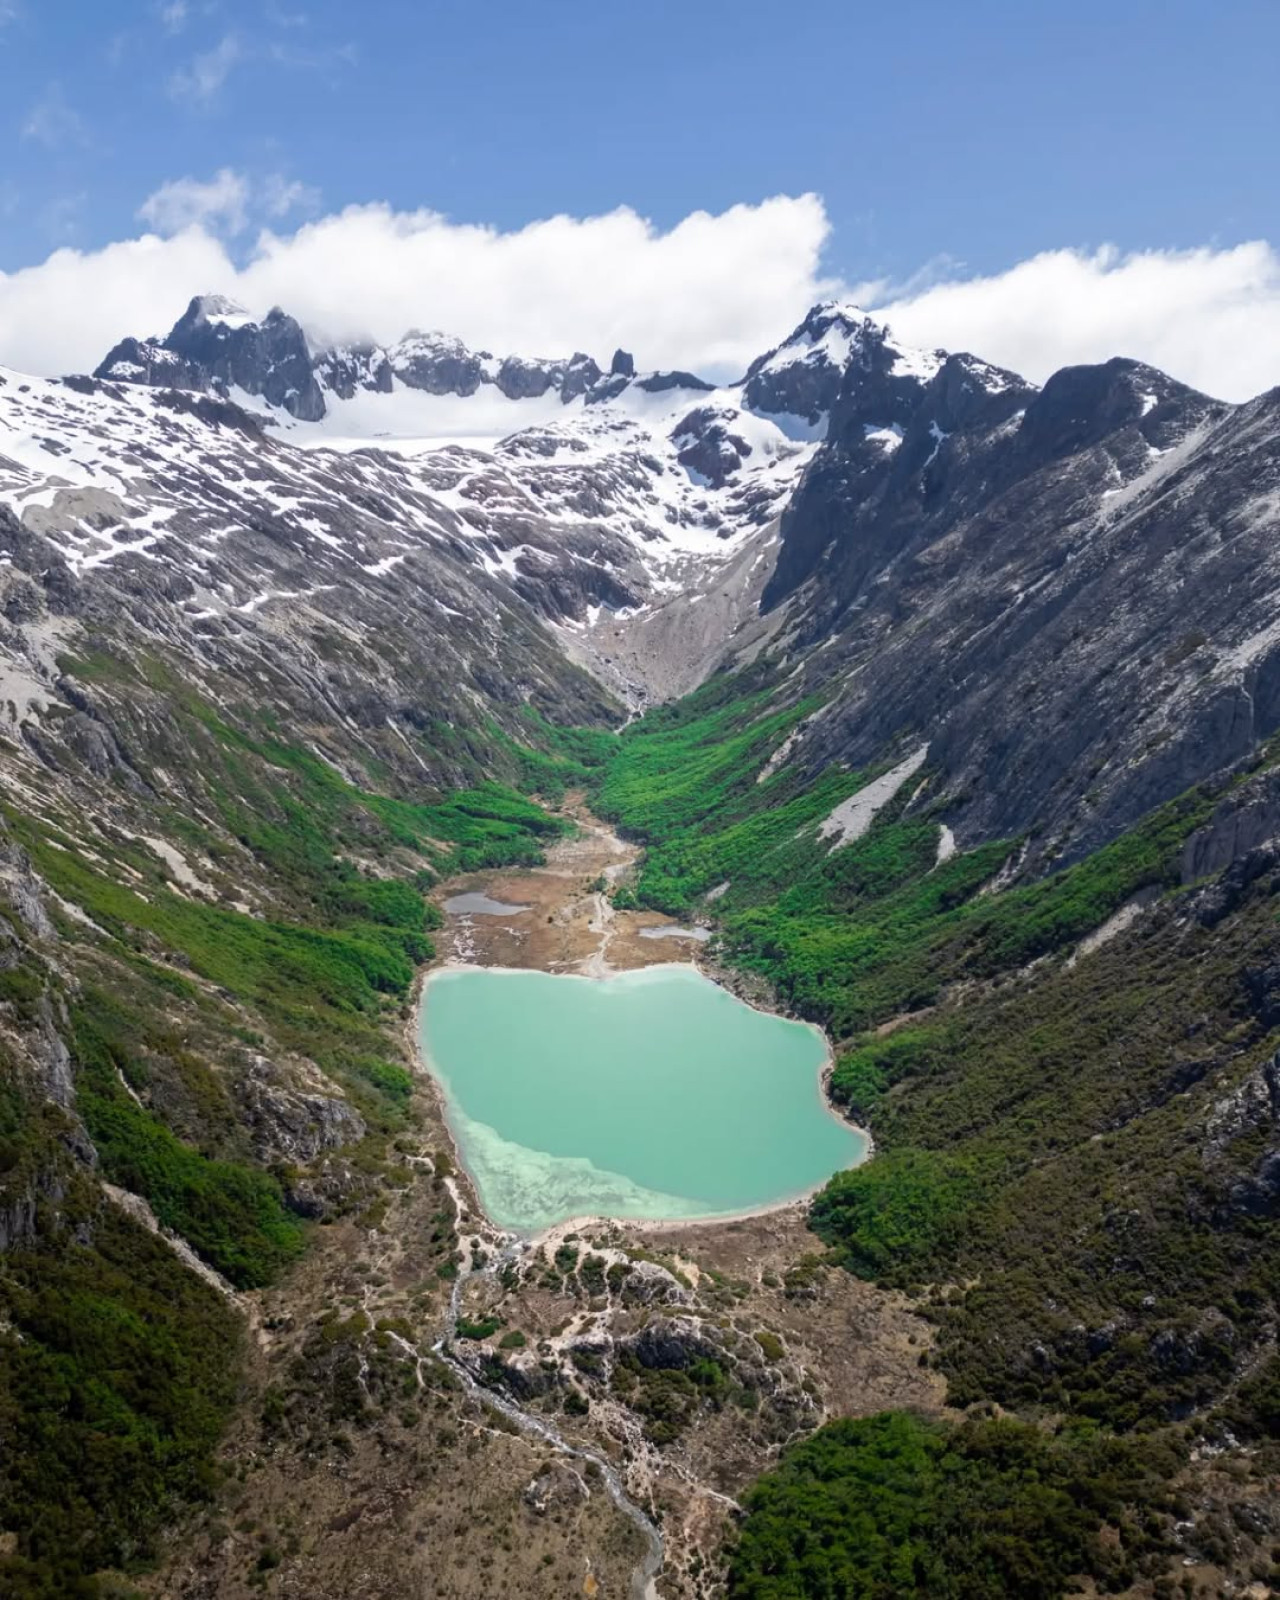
<point x="1041" y="1142"/>
<point x="117" y="1366"/>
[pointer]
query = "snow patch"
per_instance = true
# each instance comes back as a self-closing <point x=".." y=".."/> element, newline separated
<point x="888" y="438"/>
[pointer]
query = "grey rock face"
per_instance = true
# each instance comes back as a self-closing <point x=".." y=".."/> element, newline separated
<point x="1245" y="819"/>
<point x="580" y="375"/>
<point x="670" y="1342"/>
<point x="354" y="367"/>
<point x="22" y="890"/>
<point x="290" y="1126"/>
<point x="1254" y="1105"/>
<point x="1067" y="592"/>
<point x="708" y="446"/>
<point x="623" y="364"/>
<point x="617" y="383"/>
<point x="20" y="1213"/>
<point x="1230" y="890"/>
<point x="646" y="1283"/>
<point x="215" y="346"/>
<point x="805" y="375"/>
<point x="436" y="364"/>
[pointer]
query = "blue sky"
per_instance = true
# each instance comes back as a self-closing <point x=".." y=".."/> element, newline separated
<point x="944" y="139"/>
<point x="980" y="132"/>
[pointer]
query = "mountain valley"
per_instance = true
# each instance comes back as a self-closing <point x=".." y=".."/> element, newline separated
<point x="942" y="705"/>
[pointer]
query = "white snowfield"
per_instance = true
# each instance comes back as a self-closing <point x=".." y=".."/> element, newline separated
<point x="118" y="469"/>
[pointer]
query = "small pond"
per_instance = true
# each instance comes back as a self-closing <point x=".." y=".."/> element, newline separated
<point x="474" y="904"/>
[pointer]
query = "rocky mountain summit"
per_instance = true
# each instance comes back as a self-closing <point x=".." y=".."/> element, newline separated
<point x="217" y="347"/>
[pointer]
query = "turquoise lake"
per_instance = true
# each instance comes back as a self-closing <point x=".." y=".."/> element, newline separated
<point x="651" y="1094"/>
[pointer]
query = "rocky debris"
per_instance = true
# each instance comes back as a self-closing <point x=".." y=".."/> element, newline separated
<point x="671" y="1342"/>
<point x="1254" y="1105"/>
<point x="289" y="1125"/>
<point x="1229" y="891"/>
<point x="48" y="1051"/>
<point x="522" y="1376"/>
<point x="1245" y="819"/>
<point x="1263" y="987"/>
<point x="1250" y="1112"/>
<point x="645" y="1283"/>
<point x="1257" y="1194"/>
<point x="23" y="891"/>
<point x="22" y="1213"/>
<point x="329" y="1188"/>
<point x="558" y="1487"/>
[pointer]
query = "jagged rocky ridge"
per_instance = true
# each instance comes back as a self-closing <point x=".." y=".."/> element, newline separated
<point x="217" y="347"/>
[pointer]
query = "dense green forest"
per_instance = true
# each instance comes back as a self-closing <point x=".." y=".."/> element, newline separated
<point x="893" y="1507"/>
<point x="1042" y="1184"/>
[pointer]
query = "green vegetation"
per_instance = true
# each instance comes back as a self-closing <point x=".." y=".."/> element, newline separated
<point x="558" y="759"/>
<point x="231" y="1214"/>
<point x="1043" y="1185"/>
<point x="850" y="936"/>
<point x="1043" y="1182"/>
<point x="478" y="1327"/>
<point x="117" y="1364"/>
<point x="895" y="1506"/>
<point x="117" y="1371"/>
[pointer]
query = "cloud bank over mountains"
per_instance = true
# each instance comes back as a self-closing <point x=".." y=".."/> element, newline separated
<point x="709" y="293"/>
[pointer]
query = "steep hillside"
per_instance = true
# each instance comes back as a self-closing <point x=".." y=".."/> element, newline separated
<point x="961" y="702"/>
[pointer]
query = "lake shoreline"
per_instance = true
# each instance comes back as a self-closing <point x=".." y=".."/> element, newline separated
<point x="484" y="943"/>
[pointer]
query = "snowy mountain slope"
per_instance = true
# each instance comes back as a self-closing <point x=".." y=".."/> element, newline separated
<point x="596" y="509"/>
<point x="606" y="500"/>
<point x="852" y="509"/>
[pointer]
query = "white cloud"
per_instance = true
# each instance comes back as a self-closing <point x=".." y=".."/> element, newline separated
<point x="52" y="122"/>
<point x="221" y="204"/>
<point x="709" y="293"/>
<point x="281" y="197"/>
<point x="1210" y="316"/>
<point x="173" y="15"/>
<point x="202" y="81"/>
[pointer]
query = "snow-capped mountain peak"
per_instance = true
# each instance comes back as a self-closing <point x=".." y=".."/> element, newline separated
<point x="799" y="381"/>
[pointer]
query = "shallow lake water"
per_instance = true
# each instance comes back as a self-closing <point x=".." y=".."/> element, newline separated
<point x="475" y="904"/>
<point x="651" y="1094"/>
